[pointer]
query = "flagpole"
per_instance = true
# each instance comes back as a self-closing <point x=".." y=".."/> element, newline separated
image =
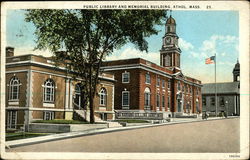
<point x="215" y="61"/>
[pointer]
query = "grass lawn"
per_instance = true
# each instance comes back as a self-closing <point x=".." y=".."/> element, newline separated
<point x="132" y="121"/>
<point x="60" y="121"/>
<point x="21" y="135"/>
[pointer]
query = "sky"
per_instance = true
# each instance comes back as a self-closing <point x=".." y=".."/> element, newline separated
<point x="201" y="35"/>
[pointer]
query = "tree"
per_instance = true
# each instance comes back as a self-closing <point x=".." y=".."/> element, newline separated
<point x="84" y="38"/>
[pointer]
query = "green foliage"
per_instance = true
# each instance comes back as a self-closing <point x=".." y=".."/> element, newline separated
<point x="81" y="39"/>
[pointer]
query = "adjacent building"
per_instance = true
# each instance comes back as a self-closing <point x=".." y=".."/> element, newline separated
<point x="147" y="90"/>
<point x="37" y="90"/>
<point x="228" y="95"/>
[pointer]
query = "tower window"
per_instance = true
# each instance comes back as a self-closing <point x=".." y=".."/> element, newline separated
<point x="168" y="60"/>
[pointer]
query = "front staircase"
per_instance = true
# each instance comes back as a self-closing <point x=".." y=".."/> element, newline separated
<point x="85" y="116"/>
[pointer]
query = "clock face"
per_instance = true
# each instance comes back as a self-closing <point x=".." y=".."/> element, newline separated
<point x="167" y="40"/>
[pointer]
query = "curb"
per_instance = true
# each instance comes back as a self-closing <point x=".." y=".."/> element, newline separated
<point x="54" y="137"/>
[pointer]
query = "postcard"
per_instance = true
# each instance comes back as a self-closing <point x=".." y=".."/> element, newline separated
<point x="125" y="80"/>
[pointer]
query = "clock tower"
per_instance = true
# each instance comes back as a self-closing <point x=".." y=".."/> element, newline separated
<point x="170" y="51"/>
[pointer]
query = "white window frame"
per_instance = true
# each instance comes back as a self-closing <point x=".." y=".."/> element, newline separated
<point x="10" y="119"/>
<point x="163" y="83"/>
<point x="51" y="115"/>
<point x="168" y="60"/>
<point x="147" y="100"/>
<point x="163" y="102"/>
<point x="77" y="96"/>
<point x="169" y="84"/>
<point x="125" y="106"/>
<point x="123" y="77"/>
<point x="51" y="95"/>
<point x="158" y="83"/>
<point x="14" y="83"/>
<point x="147" y="78"/>
<point x="169" y="103"/>
<point x="158" y="100"/>
<point x="103" y="97"/>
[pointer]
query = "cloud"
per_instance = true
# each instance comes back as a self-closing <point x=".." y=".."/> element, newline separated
<point x="219" y="44"/>
<point x="130" y="52"/>
<point x="29" y="50"/>
<point x="184" y="45"/>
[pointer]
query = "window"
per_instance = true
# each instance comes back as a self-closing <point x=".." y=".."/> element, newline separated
<point x="103" y="97"/>
<point x="163" y="102"/>
<point x="11" y="119"/>
<point x="197" y="91"/>
<point x="179" y="85"/>
<point x="204" y="102"/>
<point x="49" y="115"/>
<point x="163" y="83"/>
<point x="49" y="91"/>
<point x="158" y="82"/>
<point x="147" y="98"/>
<point x="14" y="89"/>
<point x="158" y="100"/>
<point x="190" y="89"/>
<point x="125" y="98"/>
<point x="168" y="60"/>
<point x="168" y="102"/>
<point x="125" y="77"/>
<point x="77" y="99"/>
<point x="212" y="101"/>
<point x="169" y="84"/>
<point x="148" y="80"/>
<point x="222" y="101"/>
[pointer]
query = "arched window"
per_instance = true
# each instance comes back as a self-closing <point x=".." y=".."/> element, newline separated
<point x="49" y="91"/>
<point x="103" y="96"/>
<point x="147" y="98"/>
<point x="14" y="89"/>
<point x="77" y="99"/>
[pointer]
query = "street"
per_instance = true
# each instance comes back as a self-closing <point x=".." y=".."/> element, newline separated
<point x="219" y="136"/>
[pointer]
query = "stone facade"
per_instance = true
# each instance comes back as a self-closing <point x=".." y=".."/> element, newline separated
<point x="26" y="78"/>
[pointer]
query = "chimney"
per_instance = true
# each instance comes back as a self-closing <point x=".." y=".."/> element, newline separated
<point x="9" y="51"/>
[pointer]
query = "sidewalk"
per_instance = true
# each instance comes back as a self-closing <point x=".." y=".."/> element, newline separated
<point x="53" y="137"/>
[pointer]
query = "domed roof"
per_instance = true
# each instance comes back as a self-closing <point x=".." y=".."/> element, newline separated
<point x="170" y="20"/>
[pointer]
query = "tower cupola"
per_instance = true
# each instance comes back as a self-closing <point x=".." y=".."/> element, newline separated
<point x="236" y="72"/>
<point x="170" y="25"/>
<point x="170" y="51"/>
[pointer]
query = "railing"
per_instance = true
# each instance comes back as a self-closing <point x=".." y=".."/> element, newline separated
<point x="137" y="115"/>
